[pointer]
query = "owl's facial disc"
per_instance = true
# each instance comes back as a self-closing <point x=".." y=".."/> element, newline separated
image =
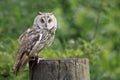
<point x="49" y="23"/>
<point x="45" y="21"/>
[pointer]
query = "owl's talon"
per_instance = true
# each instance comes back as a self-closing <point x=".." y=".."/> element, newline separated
<point x="39" y="59"/>
<point x="35" y="39"/>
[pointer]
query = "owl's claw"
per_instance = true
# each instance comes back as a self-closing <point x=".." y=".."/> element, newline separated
<point x="39" y="59"/>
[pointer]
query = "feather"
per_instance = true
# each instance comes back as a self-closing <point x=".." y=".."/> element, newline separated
<point x="27" y="42"/>
<point x="31" y="42"/>
<point x="35" y="39"/>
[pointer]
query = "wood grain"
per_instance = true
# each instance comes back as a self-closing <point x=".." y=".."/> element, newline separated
<point x="60" y="69"/>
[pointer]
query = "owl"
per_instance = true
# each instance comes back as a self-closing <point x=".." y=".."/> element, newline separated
<point x="35" y="39"/>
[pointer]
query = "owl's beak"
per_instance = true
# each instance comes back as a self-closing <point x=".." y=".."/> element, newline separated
<point x="46" y="25"/>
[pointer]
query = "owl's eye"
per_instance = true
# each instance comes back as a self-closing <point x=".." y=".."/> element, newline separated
<point x="42" y="21"/>
<point x="50" y="20"/>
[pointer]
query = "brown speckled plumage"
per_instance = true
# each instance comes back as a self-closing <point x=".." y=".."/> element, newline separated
<point x="34" y="40"/>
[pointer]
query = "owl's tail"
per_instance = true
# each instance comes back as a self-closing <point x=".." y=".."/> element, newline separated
<point x="20" y="64"/>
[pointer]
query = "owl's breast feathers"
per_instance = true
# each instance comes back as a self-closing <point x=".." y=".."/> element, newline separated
<point x="31" y="43"/>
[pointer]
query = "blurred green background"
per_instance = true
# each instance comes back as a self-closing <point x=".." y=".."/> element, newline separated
<point x="86" y="29"/>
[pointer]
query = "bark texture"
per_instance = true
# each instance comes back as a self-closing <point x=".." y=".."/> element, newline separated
<point x="60" y="69"/>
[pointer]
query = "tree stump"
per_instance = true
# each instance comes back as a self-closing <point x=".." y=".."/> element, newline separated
<point x="60" y="69"/>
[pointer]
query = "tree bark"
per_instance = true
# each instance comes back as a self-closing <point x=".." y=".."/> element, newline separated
<point x="60" y="69"/>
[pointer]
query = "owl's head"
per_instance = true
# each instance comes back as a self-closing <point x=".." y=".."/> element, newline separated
<point x="45" y="21"/>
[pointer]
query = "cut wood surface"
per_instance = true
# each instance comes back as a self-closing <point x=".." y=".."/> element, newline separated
<point x="60" y="69"/>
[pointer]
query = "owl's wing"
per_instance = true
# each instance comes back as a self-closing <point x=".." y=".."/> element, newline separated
<point x="22" y="36"/>
<point x="27" y="41"/>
